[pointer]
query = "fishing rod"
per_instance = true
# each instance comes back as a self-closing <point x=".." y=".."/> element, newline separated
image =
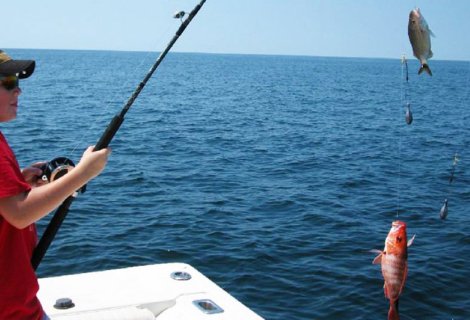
<point x="60" y="166"/>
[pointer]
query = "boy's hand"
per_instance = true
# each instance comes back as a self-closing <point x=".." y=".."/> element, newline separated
<point x="32" y="174"/>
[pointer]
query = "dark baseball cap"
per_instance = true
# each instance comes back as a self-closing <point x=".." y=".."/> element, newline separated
<point x="20" y="68"/>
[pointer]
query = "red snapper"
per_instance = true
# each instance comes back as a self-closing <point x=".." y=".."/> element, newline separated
<point x="394" y="261"/>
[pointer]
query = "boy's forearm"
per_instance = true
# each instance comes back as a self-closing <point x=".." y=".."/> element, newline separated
<point x="26" y="208"/>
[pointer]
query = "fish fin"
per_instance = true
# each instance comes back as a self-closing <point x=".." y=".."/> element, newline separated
<point x="430" y="54"/>
<point x="426" y="68"/>
<point x="423" y="29"/>
<point x="431" y="33"/>
<point x="385" y="291"/>
<point x="378" y="259"/>
<point x="393" y="311"/>
<point x="410" y="242"/>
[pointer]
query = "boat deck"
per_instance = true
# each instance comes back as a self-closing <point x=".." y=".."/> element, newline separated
<point x="160" y="291"/>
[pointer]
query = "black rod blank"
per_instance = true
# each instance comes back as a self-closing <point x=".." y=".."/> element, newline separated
<point x="103" y="142"/>
<point x="116" y="122"/>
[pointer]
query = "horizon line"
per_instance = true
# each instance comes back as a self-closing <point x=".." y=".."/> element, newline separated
<point x="241" y="53"/>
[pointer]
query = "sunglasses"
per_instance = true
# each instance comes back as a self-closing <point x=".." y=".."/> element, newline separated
<point x="9" y="82"/>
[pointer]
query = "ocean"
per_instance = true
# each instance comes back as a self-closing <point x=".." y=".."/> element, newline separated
<point x="273" y="175"/>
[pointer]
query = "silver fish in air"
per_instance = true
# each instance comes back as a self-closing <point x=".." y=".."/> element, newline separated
<point x="408" y="114"/>
<point x="420" y="38"/>
<point x="444" y="210"/>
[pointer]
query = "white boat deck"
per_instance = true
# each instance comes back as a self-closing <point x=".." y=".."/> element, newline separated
<point x="138" y="293"/>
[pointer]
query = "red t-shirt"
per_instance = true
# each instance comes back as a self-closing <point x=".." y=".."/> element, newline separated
<point x="18" y="281"/>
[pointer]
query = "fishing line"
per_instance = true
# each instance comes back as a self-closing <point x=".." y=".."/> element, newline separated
<point x="445" y="209"/>
<point x="127" y="84"/>
<point x="443" y="212"/>
<point x="59" y="166"/>
<point x="405" y="101"/>
<point x="408" y="113"/>
<point x="94" y="125"/>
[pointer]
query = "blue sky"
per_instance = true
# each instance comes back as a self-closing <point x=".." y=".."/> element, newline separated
<point x="350" y="28"/>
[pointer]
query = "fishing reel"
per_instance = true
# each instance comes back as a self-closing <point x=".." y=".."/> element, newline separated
<point x="56" y="168"/>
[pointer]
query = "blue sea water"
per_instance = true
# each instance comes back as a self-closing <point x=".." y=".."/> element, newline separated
<point x="273" y="175"/>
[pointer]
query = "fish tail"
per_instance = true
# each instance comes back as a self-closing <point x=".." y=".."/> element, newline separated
<point x="426" y="68"/>
<point x="393" y="311"/>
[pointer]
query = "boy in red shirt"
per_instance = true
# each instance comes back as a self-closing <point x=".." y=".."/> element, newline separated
<point x="23" y="201"/>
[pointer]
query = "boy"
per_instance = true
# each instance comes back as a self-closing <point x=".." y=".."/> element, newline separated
<point x="23" y="202"/>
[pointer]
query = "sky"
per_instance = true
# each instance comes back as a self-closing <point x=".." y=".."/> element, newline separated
<point x="339" y="28"/>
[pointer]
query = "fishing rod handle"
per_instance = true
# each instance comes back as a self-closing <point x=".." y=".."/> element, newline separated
<point x="50" y="232"/>
<point x="109" y="133"/>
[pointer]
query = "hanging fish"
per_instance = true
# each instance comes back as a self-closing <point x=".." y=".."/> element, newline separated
<point x="408" y="114"/>
<point x="444" y="210"/>
<point x="394" y="261"/>
<point x="419" y="34"/>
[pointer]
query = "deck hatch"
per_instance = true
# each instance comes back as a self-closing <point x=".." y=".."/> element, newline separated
<point x="208" y="306"/>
